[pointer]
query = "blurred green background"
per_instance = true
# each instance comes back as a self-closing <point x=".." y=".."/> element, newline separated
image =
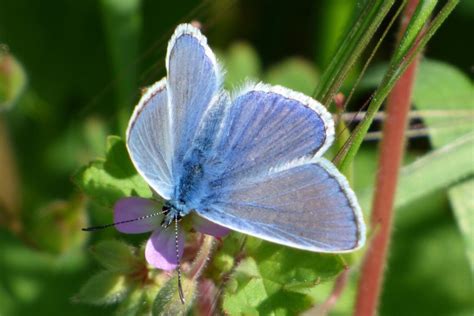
<point x="71" y="72"/>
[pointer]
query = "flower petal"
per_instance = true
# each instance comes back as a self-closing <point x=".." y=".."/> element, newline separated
<point x="160" y="249"/>
<point x="204" y="226"/>
<point x="134" y="207"/>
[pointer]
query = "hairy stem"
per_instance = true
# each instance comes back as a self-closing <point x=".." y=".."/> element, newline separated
<point x="391" y="154"/>
<point x="200" y="261"/>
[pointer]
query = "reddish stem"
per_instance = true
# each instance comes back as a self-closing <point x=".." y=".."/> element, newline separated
<point x="391" y="154"/>
<point x="337" y="290"/>
<point x="207" y="293"/>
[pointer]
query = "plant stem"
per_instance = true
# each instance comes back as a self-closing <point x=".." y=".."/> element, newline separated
<point x="9" y="182"/>
<point x="339" y="287"/>
<point x="391" y="154"/>
<point x="200" y="261"/>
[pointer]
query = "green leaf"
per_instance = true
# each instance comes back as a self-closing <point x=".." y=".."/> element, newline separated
<point x="374" y="76"/>
<point x="57" y="226"/>
<point x="452" y="163"/>
<point x="427" y="256"/>
<point x="34" y="282"/>
<point x="241" y="63"/>
<point x="76" y="145"/>
<point x="107" y="180"/>
<point x="462" y="201"/>
<point x="275" y="279"/>
<point x="137" y="303"/>
<point x="167" y="301"/>
<point x="444" y="89"/>
<point x="294" y="73"/>
<point x="106" y="287"/>
<point x="12" y="79"/>
<point x="131" y="305"/>
<point x="116" y="256"/>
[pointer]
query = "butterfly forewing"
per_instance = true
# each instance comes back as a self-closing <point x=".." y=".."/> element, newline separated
<point x="164" y="123"/>
<point x="193" y="81"/>
<point x="268" y="126"/>
<point x="148" y="139"/>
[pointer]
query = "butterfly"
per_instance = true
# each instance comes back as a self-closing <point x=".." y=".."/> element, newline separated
<point x="251" y="161"/>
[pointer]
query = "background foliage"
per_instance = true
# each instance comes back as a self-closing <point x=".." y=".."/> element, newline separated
<point x="70" y="73"/>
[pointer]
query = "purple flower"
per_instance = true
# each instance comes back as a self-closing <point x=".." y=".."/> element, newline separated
<point x="160" y="249"/>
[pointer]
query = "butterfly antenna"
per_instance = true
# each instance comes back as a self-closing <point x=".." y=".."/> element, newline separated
<point x="180" y="288"/>
<point x="95" y="228"/>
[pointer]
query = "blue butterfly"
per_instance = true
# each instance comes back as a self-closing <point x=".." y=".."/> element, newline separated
<point x="251" y="162"/>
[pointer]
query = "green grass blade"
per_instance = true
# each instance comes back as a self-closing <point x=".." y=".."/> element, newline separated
<point x="416" y="24"/>
<point x="418" y="178"/>
<point x="346" y="156"/>
<point x="350" y="49"/>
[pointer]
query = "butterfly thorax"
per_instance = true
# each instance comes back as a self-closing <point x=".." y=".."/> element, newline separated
<point x="198" y="165"/>
<point x="171" y="213"/>
<point x="187" y="193"/>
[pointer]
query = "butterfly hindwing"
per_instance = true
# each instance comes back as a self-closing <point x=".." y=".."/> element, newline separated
<point x="306" y="205"/>
<point x="274" y="184"/>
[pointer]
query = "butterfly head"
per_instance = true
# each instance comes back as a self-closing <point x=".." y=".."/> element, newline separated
<point x="172" y="211"/>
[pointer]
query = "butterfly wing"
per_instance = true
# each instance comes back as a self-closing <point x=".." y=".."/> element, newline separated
<point x="271" y="125"/>
<point x="149" y="141"/>
<point x="308" y="206"/>
<point x="163" y="124"/>
<point x="275" y="184"/>
<point x="194" y="78"/>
